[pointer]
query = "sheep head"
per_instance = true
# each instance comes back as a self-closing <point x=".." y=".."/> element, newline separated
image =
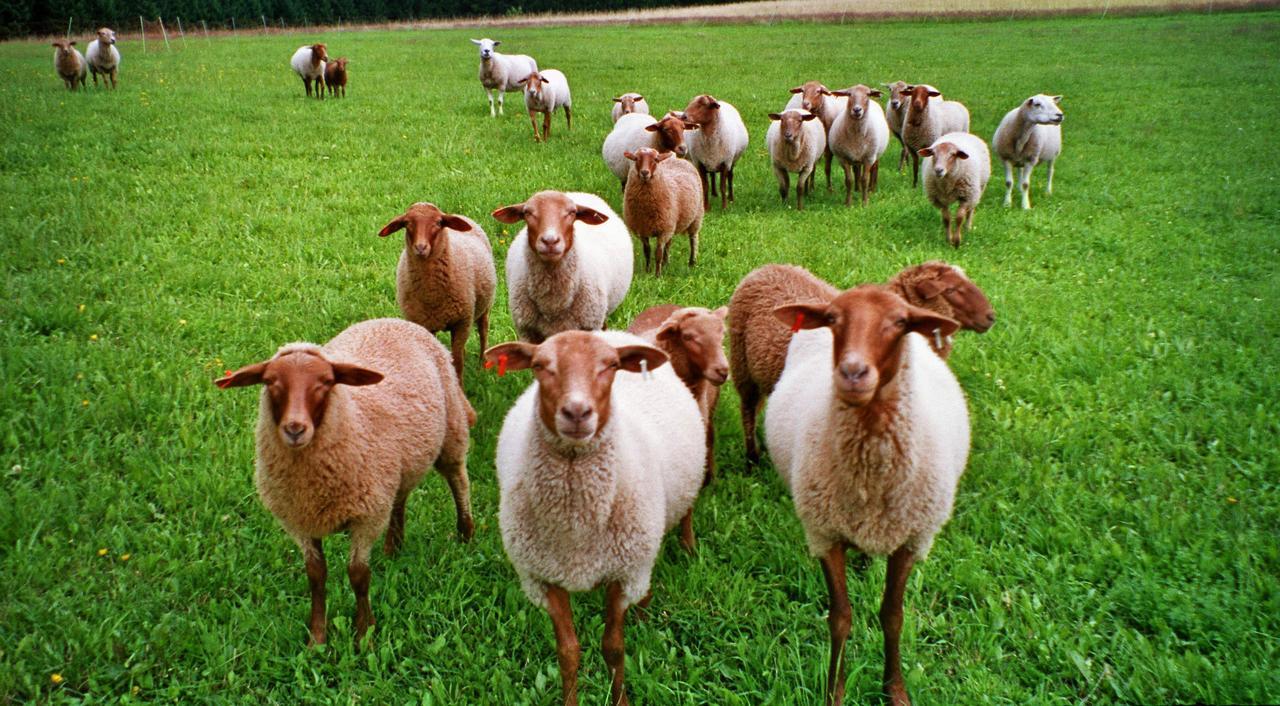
<point x="486" y="47"/>
<point x="1043" y="110"/>
<point x="694" y="339"/>
<point x="549" y="218"/>
<point x="106" y="36"/>
<point x="646" y="160"/>
<point x="859" y="97"/>
<point x="919" y="96"/>
<point x="423" y="225"/>
<point x="947" y="290"/>
<point x="812" y="95"/>
<point x="670" y="130"/>
<point x="897" y="93"/>
<point x="702" y="110"/>
<point x="628" y="102"/>
<point x="945" y="156"/>
<point x="791" y="123"/>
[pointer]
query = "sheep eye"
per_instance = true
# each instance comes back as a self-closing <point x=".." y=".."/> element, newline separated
<point x="687" y="336"/>
<point x="901" y="323"/>
<point x="830" y="319"/>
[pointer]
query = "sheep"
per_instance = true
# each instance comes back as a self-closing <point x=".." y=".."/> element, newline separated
<point x="1028" y="135"/>
<point x="445" y="279"/>
<point x="815" y="98"/>
<point x="716" y="146"/>
<point x="896" y="114"/>
<point x="927" y="119"/>
<point x="859" y="137"/>
<point x="693" y="339"/>
<point x="562" y="282"/>
<point x="660" y="200"/>
<point x="103" y="57"/>
<point x="309" y="63"/>
<point x="545" y="92"/>
<point x="596" y="461"/>
<point x="501" y="73"/>
<point x="636" y="131"/>
<point x="629" y="103"/>
<point x="956" y="169"/>
<point x="345" y="432"/>
<point x="796" y="142"/>
<point x="335" y="77"/>
<point x="944" y="289"/>
<point x="69" y="63"/>
<point x="870" y="431"/>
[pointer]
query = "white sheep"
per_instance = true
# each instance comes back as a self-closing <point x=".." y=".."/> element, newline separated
<point x="629" y="103"/>
<point x="715" y="148"/>
<point x="501" y="73"/>
<point x="859" y="137"/>
<point x="1028" y="135"/>
<point x="103" y="57"/>
<point x="956" y="170"/>
<point x="662" y="198"/>
<point x="929" y="117"/>
<point x="796" y="142"/>
<point x="596" y="461"/>
<point x="445" y="278"/>
<point x="815" y="98"/>
<point x="546" y="92"/>
<point x="309" y="63"/>
<point x="870" y="431"/>
<point x="636" y="131"/>
<point x="69" y="63"/>
<point x="345" y="432"/>
<point x="556" y="280"/>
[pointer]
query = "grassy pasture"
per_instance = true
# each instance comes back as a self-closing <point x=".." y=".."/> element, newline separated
<point x="1115" y="536"/>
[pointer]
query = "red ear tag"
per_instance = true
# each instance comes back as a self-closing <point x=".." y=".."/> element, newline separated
<point x="488" y="364"/>
<point x="228" y="373"/>
<point x="502" y="365"/>
<point x="799" y="320"/>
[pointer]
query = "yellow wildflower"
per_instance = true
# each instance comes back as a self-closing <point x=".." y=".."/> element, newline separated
<point x="55" y="678"/>
<point x="102" y="551"/>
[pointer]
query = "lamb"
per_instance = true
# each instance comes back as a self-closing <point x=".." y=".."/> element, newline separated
<point x="629" y="103"/>
<point x="309" y="63"/>
<point x="661" y="199"/>
<point x="1028" y="135"/>
<point x="927" y="119"/>
<point x="103" y="57"/>
<point x="545" y="92"/>
<point x="796" y="142"/>
<point x="345" y="432"/>
<point x="870" y="431"/>
<point x="69" y="63"/>
<point x="956" y="169"/>
<point x="946" y="290"/>
<point x="501" y="73"/>
<point x="716" y="146"/>
<point x="815" y="98"/>
<point x="596" y="461"/>
<point x="561" y="282"/>
<point x="445" y="279"/>
<point x="637" y="131"/>
<point x="693" y="339"/>
<point x="896" y="115"/>
<point x="335" y="77"/>
<point x="859" y="137"/>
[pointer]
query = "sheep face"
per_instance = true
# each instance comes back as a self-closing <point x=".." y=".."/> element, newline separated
<point x="533" y="84"/>
<point x="868" y="324"/>
<point x="701" y="110"/>
<point x="859" y="96"/>
<point x="486" y="47"/>
<point x="423" y="224"/>
<point x="670" y="130"/>
<point x="945" y="156"/>
<point x="1043" y="110"/>
<point x="699" y="333"/>
<point x="897" y="94"/>
<point x="106" y="36"/>
<point x="919" y="97"/>
<point x="628" y="102"/>
<point x="646" y="160"/>
<point x="549" y="217"/>
<point x="298" y="385"/>
<point x="969" y="305"/>
<point x="812" y="95"/>
<point x="319" y="53"/>
<point x="791" y="123"/>
<point x="64" y="47"/>
<point x="575" y="372"/>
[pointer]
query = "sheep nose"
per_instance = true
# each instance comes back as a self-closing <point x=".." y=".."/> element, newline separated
<point x="576" y="412"/>
<point x="854" y="371"/>
<point x="681" y="150"/>
<point x="991" y="317"/>
<point x="719" y="373"/>
<point x="420" y="249"/>
<point x="294" y="430"/>
<point x="939" y="171"/>
<point x="548" y="241"/>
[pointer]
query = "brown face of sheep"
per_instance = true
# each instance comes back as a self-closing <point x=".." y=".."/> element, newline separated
<point x="319" y="53"/>
<point x="549" y="217"/>
<point x="646" y="160"/>
<point x="920" y="96"/>
<point x="423" y="225"/>
<point x="64" y="47"/>
<point x="968" y="304"/>
<point x="868" y="324"/>
<point x="945" y="156"/>
<point x="628" y="103"/>
<point x="859" y="97"/>
<point x="791" y="123"/>
<point x="533" y="84"/>
<point x="897" y="93"/>
<point x="575" y="372"/>
<point x="700" y="335"/>
<point x="106" y="36"/>
<point x="702" y="110"/>
<point x="812" y="95"/>
<point x="670" y="130"/>
<point x="298" y="386"/>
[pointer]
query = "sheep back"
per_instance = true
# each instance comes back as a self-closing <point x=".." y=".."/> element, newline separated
<point x="1020" y="142"/>
<point x="504" y="71"/>
<point x="757" y="340"/>
<point x="671" y="202"/>
<point x="102" y="59"/>
<point x="554" y="94"/>
<point x="720" y="144"/>
<point x="301" y="63"/>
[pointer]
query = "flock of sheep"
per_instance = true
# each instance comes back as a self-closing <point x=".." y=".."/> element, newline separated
<point x="609" y="448"/>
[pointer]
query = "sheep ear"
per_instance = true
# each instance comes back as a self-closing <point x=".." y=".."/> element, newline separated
<point x="925" y="322"/>
<point x="398" y="224"/>
<point x="476" y="42"/>
<point x="810" y="116"/>
<point x="874" y="93"/>
<point x="248" y="375"/>
<point x="590" y="216"/>
<point x="497" y="42"/>
<point x="961" y="154"/>
<point x="617" y="100"/>
<point x="1031" y="101"/>
<point x="801" y="316"/>
<point x="934" y="94"/>
<point x="631" y="357"/>
<point x="926" y="152"/>
<point x="775" y="116"/>
<point x="843" y="92"/>
<point x="928" y="289"/>
<point x="544" y="80"/>
<point x="510" y="214"/>
<point x="798" y="89"/>
<point x="652" y="127"/>
<point x="519" y="355"/>
<point x="457" y="223"/>
<point x="1057" y="100"/>
<point x="630" y="155"/>
<point x="713" y="105"/>
<point x="523" y="80"/>
<point x="722" y="313"/>
<point x="638" y="97"/>
<point x="669" y="329"/>
<point x="354" y="375"/>
<point x="663" y="156"/>
<point x="691" y="126"/>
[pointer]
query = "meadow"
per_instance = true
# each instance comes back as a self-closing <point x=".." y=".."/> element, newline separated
<point x="1114" y="537"/>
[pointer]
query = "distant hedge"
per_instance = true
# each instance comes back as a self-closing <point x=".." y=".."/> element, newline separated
<point x="36" y="17"/>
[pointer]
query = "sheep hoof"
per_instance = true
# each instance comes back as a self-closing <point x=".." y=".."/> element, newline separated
<point x="466" y="528"/>
<point x="896" y="694"/>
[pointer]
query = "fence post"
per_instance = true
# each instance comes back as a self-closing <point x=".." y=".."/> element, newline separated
<point x="143" y="28"/>
<point x="181" y="33"/>
<point x="234" y="33"/>
<point x="163" y="32"/>
<point x="206" y="31"/>
<point x="69" y="26"/>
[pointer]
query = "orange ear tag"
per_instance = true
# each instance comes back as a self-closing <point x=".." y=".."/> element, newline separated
<point x="799" y="320"/>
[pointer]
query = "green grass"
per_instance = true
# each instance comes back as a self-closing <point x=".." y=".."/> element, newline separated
<point x="1114" y="538"/>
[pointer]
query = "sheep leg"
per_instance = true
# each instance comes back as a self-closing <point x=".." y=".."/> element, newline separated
<point x="502" y="100"/>
<point x="968" y="225"/>
<point x="1008" y="183"/>
<point x="875" y="175"/>
<point x="546" y="125"/>
<point x="957" y="231"/>
<point x="687" y="540"/>
<point x="568" y="118"/>
<point x="946" y="220"/>
<point x="902" y="157"/>
<point x="458" y="344"/>
<point x="827" y="157"/>
<point x="915" y="169"/>
<point x="1024" y="183"/>
<point x="1048" y="187"/>
<point x="693" y="242"/>
<point x="488" y="94"/>
<point x="455" y="474"/>
<point x="805" y="177"/>
<point x="706" y="186"/>
<point x="749" y="407"/>
<point x="359" y="574"/>
<point x="317" y="572"/>
<point x="95" y="77"/>
<point x="713" y="183"/>
<point x="664" y="246"/>
<point x="724" y="188"/>
<point x="839" y="619"/>
<point x="729" y="173"/>
<point x="899" y="568"/>
<point x="784" y="182"/>
<point x="395" y="530"/>
<point x="482" y="328"/>
<point x="864" y="184"/>
<point x="848" y="183"/>
<point x="567" y="648"/>
<point x="114" y="73"/>
<point x="305" y="82"/>
<point x="644" y="245"/>
<point x="612" y="645"/>
<point x="534" y="120"/>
